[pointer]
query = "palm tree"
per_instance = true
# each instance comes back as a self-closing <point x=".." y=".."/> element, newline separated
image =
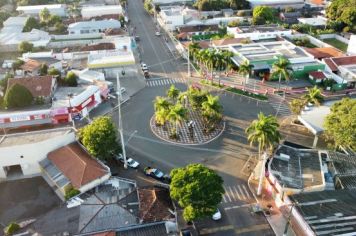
<point x="161" y="116"/>
<point x="280" y="68"/>
<point x="161" y="103"/>
<point x="193" y="49"/>
<point x="263" y="131"/>
<point x="177" y="114"/>
<point x="211" y="105"/>
<point x="173" y="92"/>
<point x="296" y="106"/>
<point x="314" y="96"/>
<point x="245" y="69"/>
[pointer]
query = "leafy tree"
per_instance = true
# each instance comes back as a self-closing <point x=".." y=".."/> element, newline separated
<point x="173" y="92"/>
<point x="45" y="15"/>
<point x="245" y="70"/>
<point x="54" y="19"/>
<point x="30" y="24"/>
<point x="340" y="124"/>
<point x="280" y="69"/>
<point x="54" y="71"/>
<point x="313" y="96"/>
<point x="25" y="46"/>
<point x="3" y="17"/>
<point x="177" y="114"/>
<point x="343" y="11"/>
<point x="3" y="82"/>
<point x="263" y="14"/>
<point x="239" y="4"/>
<point x="296" y="106"/>
<point x="100" y="138"/>
<point x="263" y="131"/>
<point x="71" y="79"/>
<point x="198" y="189"/>
<point x="43" y="69"/>
<point x="11" y="228"/>
<point x="234" y="23"/>
<point x="148" y="6"/>
<point x="60" y="28"/>
<point x="71" y="193"/>
<point x="17" y="96"/>
<point x="17" y="64"/>
<point x="161" y="103"/>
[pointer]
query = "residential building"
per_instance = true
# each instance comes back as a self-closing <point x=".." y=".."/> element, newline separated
<point x="171" y="2"/>
<point x="318" y="21"/>
<point x="88" y="12"/>
<point x="343" y="69"/>
<point x="29" y="68"/>
<point x="88" y="27"/>
<point x="297" y="4"/>
<point x="39" y="86"/>
<point x="21" y="152"/>
<point x="259" y="32"/>
<point x="71" y="166"/>
<point x="9" y="41"/>
<point x="342" y="168"/>
<point x="14" y="24"/>
<point x="172" y="17"/>
<point x="54" y="9"/>
<point x="290" y="17"/>
<point x="188" y="31"/>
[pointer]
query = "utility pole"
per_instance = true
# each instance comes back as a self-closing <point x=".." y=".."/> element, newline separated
<point x="189" y="73"/>
<point x="260" y="181"/>
<point x="119" y="98"/>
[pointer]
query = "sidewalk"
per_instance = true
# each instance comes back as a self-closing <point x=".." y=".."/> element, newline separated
<point x="278" y="216"/>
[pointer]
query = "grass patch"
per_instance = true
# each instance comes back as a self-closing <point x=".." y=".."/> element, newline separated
<point x="256" y="96"/>
<point x="336" y="43"/>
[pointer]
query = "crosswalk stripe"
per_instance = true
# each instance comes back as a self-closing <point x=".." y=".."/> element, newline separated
<point x="242" y="193"/>
<point x="224" y="198"/>
<point x="172" y="81"/>
<point x="232" y="194"/>
<point x="237" y="193"/>
<point x="227" y="194"/>
<point x="247" y="193"/>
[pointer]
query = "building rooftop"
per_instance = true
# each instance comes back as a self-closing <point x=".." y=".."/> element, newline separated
<point x="313" y="21"/>
<point x="197" y="28"/>
<point x="317" y="74"/>
<point x="297" y="168"/>
<point x="105" y="24"/>
<point x="76" y="165"/>
<point x="260" y="29"/>
<point x="46" y="60"/>
<point x="97" y="47"/>
<point x="335" y="62"/>
<point x="328" y="212"/>
<point x="15" y="21"/>
<point x="35" y="7"/>
<point x="31" y="65"/>
<point x="110" y="58"/>
<point x="320" y="53"/>
<point x="39" y="86"/>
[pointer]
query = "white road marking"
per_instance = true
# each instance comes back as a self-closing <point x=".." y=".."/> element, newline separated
<point x="243" y="194"/>
<point x="232" y="193"/>
<point x="237" y="192"/>
<point x="248" y="195"/>
<point x="227" y="194"/>
<point x="224" y="198"/>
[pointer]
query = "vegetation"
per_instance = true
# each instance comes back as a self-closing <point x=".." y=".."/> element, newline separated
<point x="3" y="17"/>
<point x="25" y="46"/>
<point x="72" y="192"/>
<point x="280" y="69"/>
<point x="253" y="95"/>
<point x="17" y="96"/>
<point x="173" y="93"/>
<point x="44" y="15"/>
<point x="11" y="228"/>
<point x="32" y="2"/>
<point x="71" y="79"/>
<point x="340" y="124"/>
<point x="198" y="189"/>
<point x="31" y="23"/>
<point x="245" y="70"/>
<point x="342" y="14"/>
<point x="148" y="6"/>
<point x="296" y="106"/>
<point x="336" y="43"/>
<point x="211" y="112"/>
<point x="263" y="14"/>
<point x="100" y="138"/>
<point x="304" y="42"/>
<point x="43" y="69"/>
<point x="313" y="96"/>
<point x="208" y="5"/>
<point x="17" y="64"/>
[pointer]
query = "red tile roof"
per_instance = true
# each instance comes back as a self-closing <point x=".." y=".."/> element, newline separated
<point x="77" y="165"/>
<point x="109" y="233"/>
<point x="317" y="74"/>
<point x="155" y="203"/>
<point x="39" y="86"/>
<point x="222" y="42"/>
<point x="335" y="62"/>
<point x="326" y="52"/>
<point x="31" y="65"/>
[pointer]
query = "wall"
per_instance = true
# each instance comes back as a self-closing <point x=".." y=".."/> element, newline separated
<point x="336" y="36"/>
<point x="304" y="73"/>
<point x="313" y="40"/>
<point x="32" y="153"/>
<point x="95" y="183"/>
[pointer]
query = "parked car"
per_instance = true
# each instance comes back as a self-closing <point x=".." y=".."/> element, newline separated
<point x="146" y="74"/>
<point x="144" y="67"/>
<point x="158" y="33"/>
<point x="185" y="232"/>
<point x="137" y="38"/>
<point x="130" y="162"/>
<point x="216" y="215"/>
<point x="154" y="173"/>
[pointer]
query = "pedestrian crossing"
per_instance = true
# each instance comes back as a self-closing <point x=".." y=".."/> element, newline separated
<point x="282" y="109"/>
<point x="163" y="82"/>
<point x="237" y="193"/>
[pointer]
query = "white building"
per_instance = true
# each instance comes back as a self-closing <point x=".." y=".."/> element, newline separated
<point x="259" y="32"/>
<point x="14" y="24"/>
<point x="93" y="11"/>
<point x="277" y="3"/>
<point x="86" y="27"/>
<point x="54" y="9"/>
<point x="21" y="152"/>
<point x="351" y="48"/>
<point x="171" y="17"/>
<point x="314" y="21"/>
<point x="11" y="40"/>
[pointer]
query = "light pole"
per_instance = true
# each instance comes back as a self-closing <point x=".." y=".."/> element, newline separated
<point x="119" y="98"/>
<point x="70" y="95"/>
<point x="189" y="73"/>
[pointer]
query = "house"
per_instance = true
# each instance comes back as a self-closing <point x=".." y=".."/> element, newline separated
<point x="318" y="21"/>
<point x="21" y="152"/>
<point x="87" y="27"/>
<point x="29" y="68"/>
<point x="54" y="9"/>
<point x="326" y="52"/>
<point x="39" y="86"/>
<point x="317" y="77"/>
<point x="343" y="69"/>
<point x="70" y="167"/>
<point x="14" y="24"/>
<point x="89" y="12"/>
<point x="9" y="41"/>
<point x="324" y="213"/>
<point x="188" y="31"/>
<point x="292" y="170"/>
<point x="342" y="167"/>
<point x="259" y="32"/>
<point x="297" y="4"/>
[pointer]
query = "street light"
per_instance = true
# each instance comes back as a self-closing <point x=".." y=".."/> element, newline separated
<point x="70" y="95"/>
<point x="119" y="98"/>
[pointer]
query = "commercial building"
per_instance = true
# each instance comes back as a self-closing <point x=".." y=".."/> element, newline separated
<point x="54" y="9"/>
<point x="20" y="153"/>
<point x="89" y="27"/>
<point x="94" y="11"/>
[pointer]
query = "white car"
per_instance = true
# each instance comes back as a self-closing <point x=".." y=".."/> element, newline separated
<point x="158" y="33"/>
<point x="144" y="67"/>
<point x="122" y="90"/>
<point x="130" y="162"/>
<point x="217" y="215"/>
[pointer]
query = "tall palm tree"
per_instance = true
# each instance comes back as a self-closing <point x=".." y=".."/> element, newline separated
<point x="212" y="104"/>
<point x="245" y="70"/>
<point x="161" y="116"/>
<point x="173" y="92"/>
<point x="280" y="68"/>
<point x="263" y="131"/>
<point x="161" y="103"/>
<point x="177" y="114"/>
<point x="296" y="106"/>
<point x="314" y="96"/>
<point x="193" y="49"/>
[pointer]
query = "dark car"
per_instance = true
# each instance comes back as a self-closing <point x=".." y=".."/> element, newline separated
<point x="146" y="74"/>
<point x="154" y="173"/>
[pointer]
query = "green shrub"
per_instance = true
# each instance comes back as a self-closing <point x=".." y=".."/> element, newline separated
<point x="71" y="79"/>
<point x="239" y="91"/>
<point x="17" y="96"/>
<point x="11" y="228"/>
<point x="71" y="193"/>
